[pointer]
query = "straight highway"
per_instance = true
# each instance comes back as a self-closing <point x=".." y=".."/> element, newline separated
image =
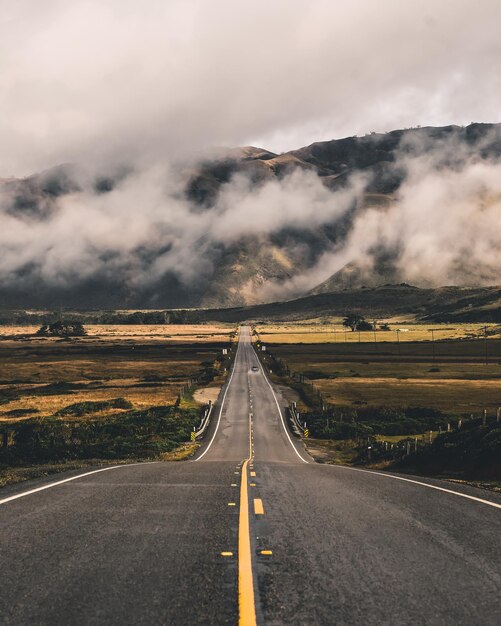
<point x="251" y="530"/>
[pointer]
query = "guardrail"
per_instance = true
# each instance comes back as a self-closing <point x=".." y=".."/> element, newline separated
<point x="199" y="432"/>
<point x="296" y="422"/>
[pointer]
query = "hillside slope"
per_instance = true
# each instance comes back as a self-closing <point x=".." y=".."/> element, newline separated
<point x="280" y="236"/>
<point x="445" y="304"/>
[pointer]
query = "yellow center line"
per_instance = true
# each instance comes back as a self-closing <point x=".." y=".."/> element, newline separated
<point x="246" y="603"/>
<point x="253" y="473"/>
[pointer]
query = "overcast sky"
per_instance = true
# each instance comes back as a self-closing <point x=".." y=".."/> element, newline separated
<point x="114" y="80"/>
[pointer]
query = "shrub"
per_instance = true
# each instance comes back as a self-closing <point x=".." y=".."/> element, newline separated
<point x="473" y="451"/>
<point x="62" y="329"/>
<point x="135" y="434"/>
<point x="84" y="408"/>
<point x="376" y="420"/>
<point x="364" y="325"/>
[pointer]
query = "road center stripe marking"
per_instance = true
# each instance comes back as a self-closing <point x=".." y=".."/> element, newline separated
<point x="246" y="605"/>
<point x="417" y="482"/>
<point x="258" y="506"/>
<point x="246" y="602"/>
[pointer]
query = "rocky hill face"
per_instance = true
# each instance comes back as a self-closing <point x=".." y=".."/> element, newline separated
<point x="245" y="226"/>
<point x="443" y="304"/>
<point x="377" y="155"/>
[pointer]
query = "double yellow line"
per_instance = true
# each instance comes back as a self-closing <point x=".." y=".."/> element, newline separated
<point x="246" y="601"/>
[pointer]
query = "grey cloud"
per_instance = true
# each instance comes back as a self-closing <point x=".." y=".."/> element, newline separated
<point x="94" y="81"/>
<point x="123" y="86"/>
<point x="87" y="233"/>
<point x="442" y="227"/>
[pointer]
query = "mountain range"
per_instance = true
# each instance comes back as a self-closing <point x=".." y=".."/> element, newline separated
<point x="291" y="258"/>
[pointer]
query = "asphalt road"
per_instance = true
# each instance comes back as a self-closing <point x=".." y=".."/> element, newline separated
<point x="279" y="539"/>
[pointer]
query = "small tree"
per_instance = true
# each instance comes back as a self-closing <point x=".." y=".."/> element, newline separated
<point x="62" y="329"/>
<point x="352" y="320"/>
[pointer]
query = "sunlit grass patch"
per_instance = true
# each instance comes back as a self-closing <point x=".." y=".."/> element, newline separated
<point x="451" y="396"/>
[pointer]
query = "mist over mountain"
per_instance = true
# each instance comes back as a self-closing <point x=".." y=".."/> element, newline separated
<point x="245" y="225"/>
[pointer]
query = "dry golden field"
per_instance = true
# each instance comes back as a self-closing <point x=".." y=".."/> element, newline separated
<point x="146" y="365"/>
<point x="140" y="397"/>
<point x="171" y="332"/>
<point x="404" y="332"/>
<point x="448" y="395"/>
<point x="456" y="375"/>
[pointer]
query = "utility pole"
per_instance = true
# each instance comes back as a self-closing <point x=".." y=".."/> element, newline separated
<point x="398" y="341"/>
<point x="485" y="345"/>
<point x="432" y="331"/>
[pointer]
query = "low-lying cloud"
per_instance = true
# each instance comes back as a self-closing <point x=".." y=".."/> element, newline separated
<point x="145" y="227"/>
<point x="440" y="227"/>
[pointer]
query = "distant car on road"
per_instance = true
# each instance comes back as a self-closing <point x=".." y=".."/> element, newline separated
<point x="255" y="368"/>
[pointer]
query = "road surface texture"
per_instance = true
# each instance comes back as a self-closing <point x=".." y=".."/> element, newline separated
<point x="250" y="531"/>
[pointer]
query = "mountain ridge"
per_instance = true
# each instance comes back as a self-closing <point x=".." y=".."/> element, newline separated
<point x="252" y="268"/>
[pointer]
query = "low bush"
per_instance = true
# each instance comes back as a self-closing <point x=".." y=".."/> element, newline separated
<point x="62" y="329"/>
<point x="473" y="451"/>
<point x="135" y="434"/>
<point x="84" y="408"/>
<point x="20" y="412"/>
<point x="316" y="374"/>
<point x="346" y="423"/>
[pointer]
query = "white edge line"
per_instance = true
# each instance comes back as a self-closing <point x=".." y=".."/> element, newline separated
<point x="67" y="480"/>
<point x="221" y="407"/>
<point x="417" y="482"/>
<point x="279" y="409"/>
